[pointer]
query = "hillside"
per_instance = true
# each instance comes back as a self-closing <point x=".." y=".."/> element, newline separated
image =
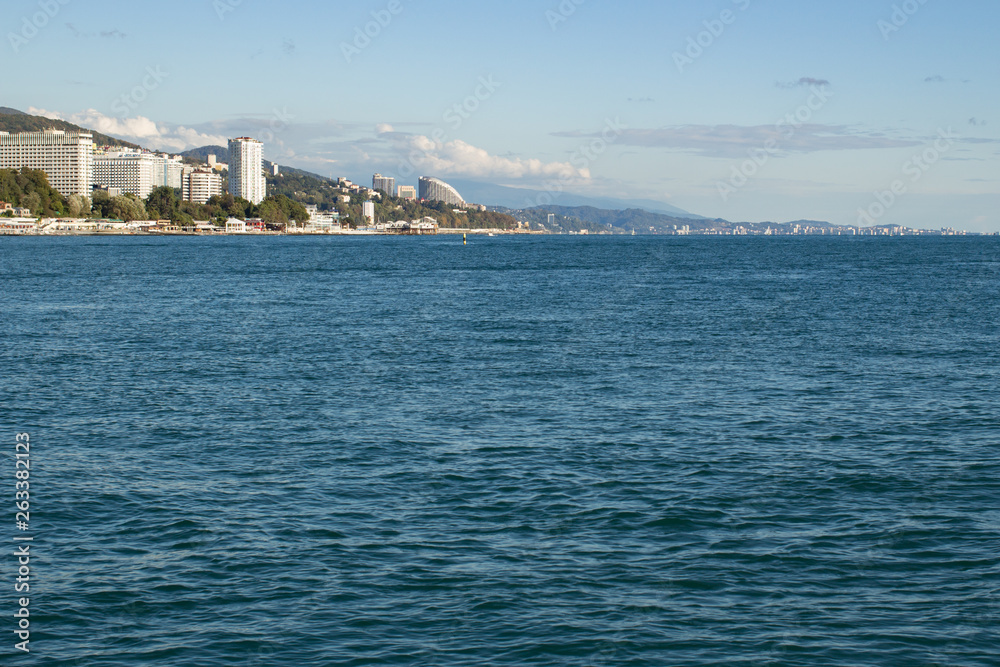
<point x="14" y="121"/>
<point x="643" y="222"/>
<point x="577" y="218"/>
<point x="30" y="188"/>
<point x="308" y="188"/>
<point x="221" y="153"/>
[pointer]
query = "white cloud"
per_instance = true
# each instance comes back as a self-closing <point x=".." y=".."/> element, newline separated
<point x="139" y="130"/>
<point x="734" y="140"/>
<point x="384" y="128"/>
<point x="459" y="158"/>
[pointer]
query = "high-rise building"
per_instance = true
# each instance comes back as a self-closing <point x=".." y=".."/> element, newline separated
<point x="386" y="184"/>
<point x="406" y="192"/>
<point x="67" y="158"/>
<point x="433" y="189"/>
<point x="169" y="171"/>
<point x="200" y="185"/>
<point x="368" y="209"/>
<point x="129" y="171"/>
<point x="136" y="172"/>
<point x="246" y="164"/>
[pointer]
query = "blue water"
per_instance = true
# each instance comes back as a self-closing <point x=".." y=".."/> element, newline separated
<point x="527" y="451"/>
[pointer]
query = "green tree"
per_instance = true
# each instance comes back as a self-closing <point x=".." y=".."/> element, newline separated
<point x="101" y="206"/>
<point x="128" y="208"/>
<point x="270" y="211"/>
<point x="163" y="203"/>
<point x="77" y="205"/>
<point x="33" y="201"/>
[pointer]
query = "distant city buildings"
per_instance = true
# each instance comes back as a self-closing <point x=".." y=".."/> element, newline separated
<point x="407" y="192"/>
<point x="384" y="183"/>
<point x="433" y="189"/>
<point x="368" y="210"/>
<point x="246" y="176"/>
<point x="200" y="185"/>
<point x="66" y="157"/>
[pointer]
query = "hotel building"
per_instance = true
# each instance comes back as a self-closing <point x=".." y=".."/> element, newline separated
<point x="384" y="183"/>
<point x="433" y="189"/>
<point x="200" y="185"/>
<point x="246" y="164"/>
<point x="67" y="158"/>
<point x="136" y="172"/>
<point x="407" y="192"/>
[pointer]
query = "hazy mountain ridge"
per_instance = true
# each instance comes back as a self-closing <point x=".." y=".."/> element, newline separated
<point x="525" y="198"/>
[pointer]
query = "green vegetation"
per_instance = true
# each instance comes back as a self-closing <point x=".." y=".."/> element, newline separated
<point x="29" y="188"/>
<point x="126" y="207"/>
<point x="301" y="186"/>
<point x="164" y="203"/>
<point x="305" y="188"/>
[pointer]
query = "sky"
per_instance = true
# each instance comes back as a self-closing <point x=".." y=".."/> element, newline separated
<point x="854" y="112"/>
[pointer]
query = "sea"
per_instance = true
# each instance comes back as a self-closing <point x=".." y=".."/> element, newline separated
<point x="531" y="450"/>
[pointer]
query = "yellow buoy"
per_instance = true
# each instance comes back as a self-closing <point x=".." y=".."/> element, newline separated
<point x="465" y="239"/>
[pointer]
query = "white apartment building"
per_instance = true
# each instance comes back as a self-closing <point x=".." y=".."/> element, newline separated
<point x="130" y="171"/>
<point x="200" y="185"/>
<point x="67" y="158"/>
<point x="136" y="172"/>
<point x="169" y="171"/>
<point x="246" y="175"/>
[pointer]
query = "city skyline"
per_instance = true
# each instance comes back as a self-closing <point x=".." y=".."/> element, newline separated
<point x="733" y="109"/>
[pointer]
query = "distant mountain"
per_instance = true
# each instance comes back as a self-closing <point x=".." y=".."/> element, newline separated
<point x="572" y="218"/>
<point x="221" y="153"/>
<point x="14" y="121"/>
<point x="639" y="220"/>
<point x="521" y="198"/>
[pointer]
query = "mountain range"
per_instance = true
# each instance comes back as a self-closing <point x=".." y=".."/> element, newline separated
<point x="521" y="198"/>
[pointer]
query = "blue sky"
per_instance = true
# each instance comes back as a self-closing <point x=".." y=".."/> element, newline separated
<point x="579" y="96"/>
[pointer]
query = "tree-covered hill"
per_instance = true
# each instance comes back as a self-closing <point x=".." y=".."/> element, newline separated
<point x="14" y="121"/>
<point x="29" y="188"/>
<point x="302" y="186"/>
<point x="221" y="153"/>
